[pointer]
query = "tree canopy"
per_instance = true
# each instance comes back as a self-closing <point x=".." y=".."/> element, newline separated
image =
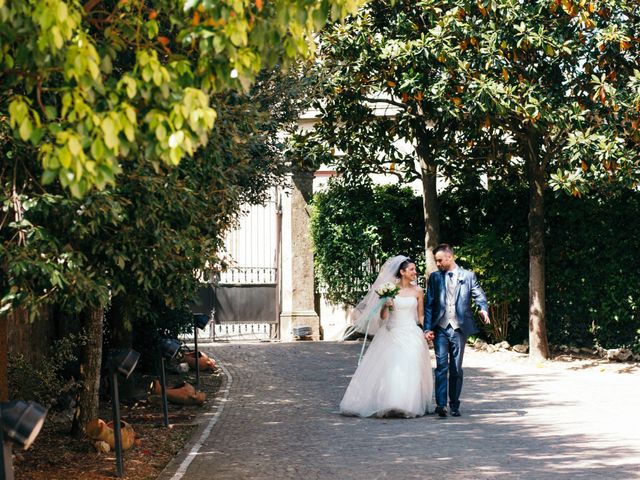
<point x="547" y="90"/>
<point x="470" y="83"/>
<point x="127" y="149"/>
<point x="94" y="85"/>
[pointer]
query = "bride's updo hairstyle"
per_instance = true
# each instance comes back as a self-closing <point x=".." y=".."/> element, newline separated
<point x="403" y="266"/>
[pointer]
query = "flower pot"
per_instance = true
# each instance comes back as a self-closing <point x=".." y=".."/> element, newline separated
<point x="181" y="394"/>
<point x="205" y="363"/>
<point x="100" y="431"/>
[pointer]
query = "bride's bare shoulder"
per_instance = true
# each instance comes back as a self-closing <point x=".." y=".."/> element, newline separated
<point x="417" y="290"/>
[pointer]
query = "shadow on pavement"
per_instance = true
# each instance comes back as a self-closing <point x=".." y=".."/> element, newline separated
<point x="282" y="419"/>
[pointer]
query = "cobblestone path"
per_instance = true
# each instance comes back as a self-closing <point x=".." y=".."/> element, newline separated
<point x="277" y="419"/>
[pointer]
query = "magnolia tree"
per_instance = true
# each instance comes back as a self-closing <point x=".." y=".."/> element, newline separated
<point x="92" y="85"/>
<point x="132" y="249"/>
<point x="126" y="152"/>
<point x="546" y="89"/>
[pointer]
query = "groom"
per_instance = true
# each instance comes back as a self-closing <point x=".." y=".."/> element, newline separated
<point x="448" y="321"/>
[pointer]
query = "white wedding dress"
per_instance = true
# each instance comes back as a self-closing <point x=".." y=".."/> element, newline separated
<point x="395" y="376"/>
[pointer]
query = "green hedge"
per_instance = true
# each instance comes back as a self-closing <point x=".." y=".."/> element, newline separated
<point x="489" y="232"/>
<point x="355" y="228"/>
<point x="593" y="266"/>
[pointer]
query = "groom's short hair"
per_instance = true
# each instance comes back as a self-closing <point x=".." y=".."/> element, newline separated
<point x="443" y="247"/>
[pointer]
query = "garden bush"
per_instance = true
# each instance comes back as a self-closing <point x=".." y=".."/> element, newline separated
<point x="47" y="381"/>
<point x="355" y="228"/>
<point x="593" y="270"/>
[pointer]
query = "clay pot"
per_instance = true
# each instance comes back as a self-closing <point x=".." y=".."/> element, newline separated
<point x="102" y="433"/>
<point x="205" y="363"/>
<point x="181" y="394"/>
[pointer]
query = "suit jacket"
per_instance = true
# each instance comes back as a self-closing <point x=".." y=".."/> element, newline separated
<point x="467" y="287"/>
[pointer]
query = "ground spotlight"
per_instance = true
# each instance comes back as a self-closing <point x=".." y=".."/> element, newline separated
<point x="123" y="362"/>
<point x="20" y="422"/>
<point x="169" y="348"/>
<point x="201" y="320"/>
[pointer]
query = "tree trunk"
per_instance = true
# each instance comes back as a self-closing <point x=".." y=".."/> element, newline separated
<point x="90" y="363"/>
<point x="4" y="354"/>
<point x="431" y="211"/>
<point x="538" y="344"/>
<point x="430" y="206"/>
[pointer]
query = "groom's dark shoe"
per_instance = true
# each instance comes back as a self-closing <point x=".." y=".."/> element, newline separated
<point x="455" y="412"/>
<point x="441" y="411"/>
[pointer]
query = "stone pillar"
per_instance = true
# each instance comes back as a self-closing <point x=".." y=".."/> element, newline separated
<point x="297" y="261"/>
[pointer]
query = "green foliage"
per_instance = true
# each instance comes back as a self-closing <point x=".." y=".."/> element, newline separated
<point x="355" y="228"/>
<point x="156" y="323"/>
<point x="475" y="85"/>
<point x="489" y="229"/>
<point x="139" y="244"/>
<point x="92" y="86"/>
<point x="45" y="381"/>
<point x="594" y="270"/>
<point x="547" y="90"/>
<point x="489" y="232"/>
<point x="40" y="263"/>
<point x="592" y="266"/>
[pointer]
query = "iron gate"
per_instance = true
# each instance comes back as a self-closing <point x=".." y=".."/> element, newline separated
<point x="244" y="300"/>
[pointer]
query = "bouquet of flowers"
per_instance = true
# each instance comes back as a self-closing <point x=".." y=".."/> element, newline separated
<point x="388" y="290"/>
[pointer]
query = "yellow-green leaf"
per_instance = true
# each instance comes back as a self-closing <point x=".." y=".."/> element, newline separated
<point x="64" y="156"/>
<point x="110" y="133"/>
<point x="74" y="146"/>
<point x="161" y="133"/>
<point x="97" y="148"/>
<point x="25" y="129"/>
<point x="57" y="37"/>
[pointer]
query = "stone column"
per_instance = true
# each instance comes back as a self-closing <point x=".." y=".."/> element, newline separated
<point x="297" y="261"/>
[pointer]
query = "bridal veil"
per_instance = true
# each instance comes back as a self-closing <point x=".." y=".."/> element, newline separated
<point x="367" y="311"/>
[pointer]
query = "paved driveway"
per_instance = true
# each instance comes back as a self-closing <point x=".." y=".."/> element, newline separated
<point x="277" y="419"/>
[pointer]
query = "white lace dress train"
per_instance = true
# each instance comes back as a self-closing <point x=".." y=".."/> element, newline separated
<point x="395" y="375"/>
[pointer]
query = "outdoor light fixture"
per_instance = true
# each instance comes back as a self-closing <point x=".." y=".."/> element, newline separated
<point x="169" y="348"/>
<point x="200" y="321"/>
<point x="20" y="422"/>
<point x="123" y="362"/>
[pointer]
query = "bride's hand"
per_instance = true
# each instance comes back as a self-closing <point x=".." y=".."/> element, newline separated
<point x="388" y="303"/>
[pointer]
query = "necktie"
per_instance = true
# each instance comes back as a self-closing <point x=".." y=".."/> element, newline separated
<point x="450" y="286"/>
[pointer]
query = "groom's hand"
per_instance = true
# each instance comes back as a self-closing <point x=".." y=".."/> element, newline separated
<point x="485" y="316"/>
<point x="429" y="335"/>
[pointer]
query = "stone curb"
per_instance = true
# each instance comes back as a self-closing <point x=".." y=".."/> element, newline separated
<point x="177" y="467"/>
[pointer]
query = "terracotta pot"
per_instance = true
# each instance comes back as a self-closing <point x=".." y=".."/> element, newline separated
<point x="100" y="431"/>
<point x="181" y="394"/>
<point x="206" y="364"/>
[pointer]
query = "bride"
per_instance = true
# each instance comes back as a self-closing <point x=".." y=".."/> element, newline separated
<point x="395" y="377"/>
